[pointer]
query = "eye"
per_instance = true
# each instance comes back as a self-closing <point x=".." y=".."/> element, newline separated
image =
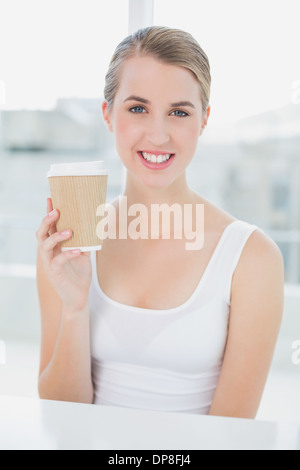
<point x="137" y="109"/>
<point x="179" y="113"/>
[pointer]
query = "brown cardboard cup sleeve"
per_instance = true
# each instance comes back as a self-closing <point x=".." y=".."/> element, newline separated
<point x="77" y="191"/>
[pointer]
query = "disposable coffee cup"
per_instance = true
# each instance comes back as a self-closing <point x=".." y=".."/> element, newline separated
<point x="77" y="190"/>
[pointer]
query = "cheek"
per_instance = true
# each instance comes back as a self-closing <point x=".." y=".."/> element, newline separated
<point x="125" y="132"/>
<point x="127" y="136"/>
<point x="188" y="136"/>
<point x="121" y="130"/>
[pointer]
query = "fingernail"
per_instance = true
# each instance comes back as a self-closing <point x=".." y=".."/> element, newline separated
<point x="66" y="233"/>
<point x="52" y="213"/>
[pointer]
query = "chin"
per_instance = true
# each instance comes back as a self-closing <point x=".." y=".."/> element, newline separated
<point x="153" y="179"/>
<point x="156" y="181"/>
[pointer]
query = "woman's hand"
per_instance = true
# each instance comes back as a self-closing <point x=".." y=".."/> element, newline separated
<point x="69" y="272"/>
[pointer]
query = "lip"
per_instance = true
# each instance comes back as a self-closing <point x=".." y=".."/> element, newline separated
<point x="156" y="166"/>
<point x="157" y="152"/>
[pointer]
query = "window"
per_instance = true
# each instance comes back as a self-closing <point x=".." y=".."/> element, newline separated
<point x="248" y="154"/>
<point x="53" y="59"/>
<point x="54" y="49"/>
<point x="248" y="159"/>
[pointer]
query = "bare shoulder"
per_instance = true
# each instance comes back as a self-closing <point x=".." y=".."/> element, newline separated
<point x="259" y="277"/>
<point x="261" y="254"/>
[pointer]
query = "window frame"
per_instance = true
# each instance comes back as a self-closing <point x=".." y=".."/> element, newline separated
<point x="140" y="14"/>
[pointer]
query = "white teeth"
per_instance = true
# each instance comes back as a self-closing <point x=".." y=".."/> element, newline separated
<point x="156" y="159"/>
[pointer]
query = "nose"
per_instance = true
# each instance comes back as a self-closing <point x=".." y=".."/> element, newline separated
<point x="158" y="132"/>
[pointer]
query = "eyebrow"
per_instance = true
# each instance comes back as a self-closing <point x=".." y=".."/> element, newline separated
<point x="173" y="105"/>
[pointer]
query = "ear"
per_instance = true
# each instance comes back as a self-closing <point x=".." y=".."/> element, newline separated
<point x="205" y="119"/>
<point x="106" y="116"/>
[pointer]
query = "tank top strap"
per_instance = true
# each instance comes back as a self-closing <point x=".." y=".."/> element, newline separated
<point x="233" y="244"/>
<point x="217" y="278"/>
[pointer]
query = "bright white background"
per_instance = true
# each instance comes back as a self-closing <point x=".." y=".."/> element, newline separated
<point x="57" y="48"/>
<point x="61" y="48"/>
<point x="253" y="47"/>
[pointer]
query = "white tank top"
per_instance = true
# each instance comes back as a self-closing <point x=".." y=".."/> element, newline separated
<point x="166" y="360"/>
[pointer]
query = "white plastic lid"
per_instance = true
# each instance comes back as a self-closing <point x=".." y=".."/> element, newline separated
<point x="77" y="169"/>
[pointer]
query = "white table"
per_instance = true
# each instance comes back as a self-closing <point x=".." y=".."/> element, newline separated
<point x="33" y="424"/>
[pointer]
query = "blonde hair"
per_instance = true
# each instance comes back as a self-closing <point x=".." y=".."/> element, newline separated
<point x="171" y="46"/>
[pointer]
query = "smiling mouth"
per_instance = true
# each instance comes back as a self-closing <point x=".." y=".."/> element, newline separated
<point x="151" y="158"/>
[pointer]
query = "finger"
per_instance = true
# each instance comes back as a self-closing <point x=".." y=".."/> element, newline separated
<point x="43" y="231"/>
<point x="51" y="242"/>
<point x="49" y="205"/>
<point x="52" y="228"/>
<point x="60" y="260"/>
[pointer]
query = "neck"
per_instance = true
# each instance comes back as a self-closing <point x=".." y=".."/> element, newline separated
<point x="147" y="220"/>
<point x="177" y="192"/>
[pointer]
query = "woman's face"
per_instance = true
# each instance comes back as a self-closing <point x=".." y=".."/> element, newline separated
<point x="157" y="118"/>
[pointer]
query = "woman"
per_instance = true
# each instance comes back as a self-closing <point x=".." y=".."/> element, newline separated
<point x="146" y="323"/>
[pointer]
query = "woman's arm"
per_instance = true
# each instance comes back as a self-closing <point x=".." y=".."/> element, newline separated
<point x="255" y="319"/>
<point x="65" y="365"/>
